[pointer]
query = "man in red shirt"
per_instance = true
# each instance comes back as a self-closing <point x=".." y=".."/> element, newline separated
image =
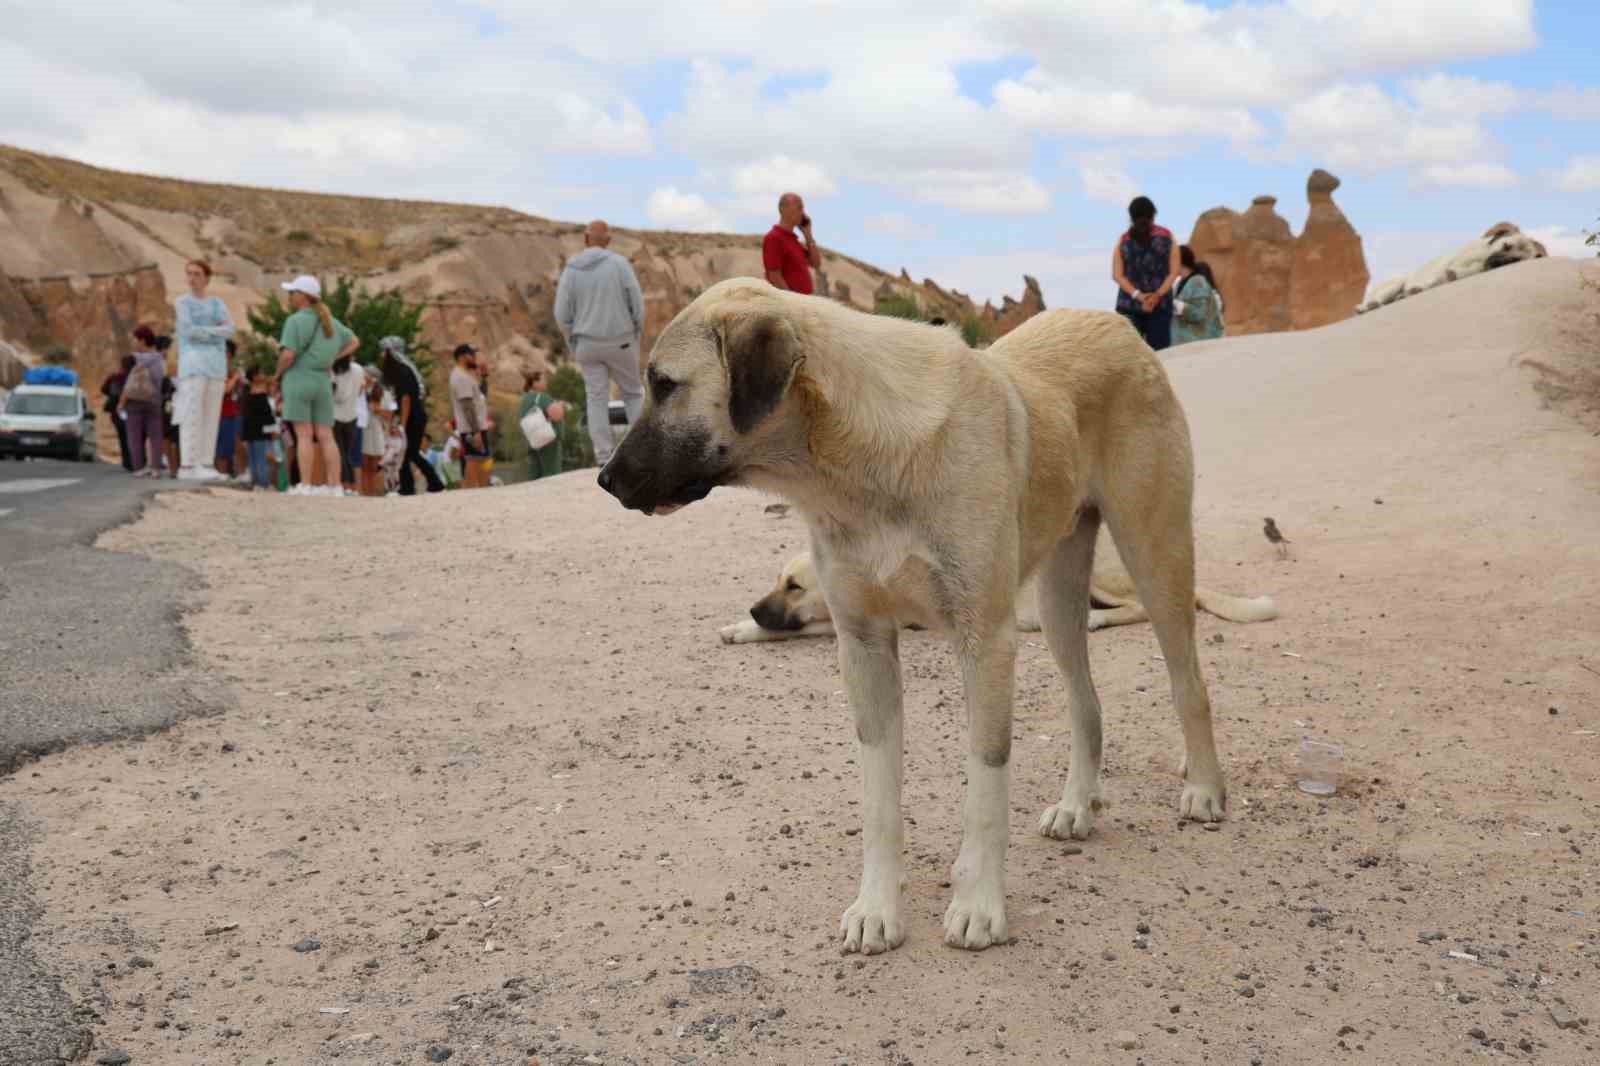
<point x="787" y="261"/>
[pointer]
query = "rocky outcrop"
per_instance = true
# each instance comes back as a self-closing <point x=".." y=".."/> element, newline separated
<point x="1329" y="275"/>
<point x="1272" y="280"/>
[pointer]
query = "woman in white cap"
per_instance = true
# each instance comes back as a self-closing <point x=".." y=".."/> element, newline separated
<point x="312" y="339"/>
<point x="203" y="331"/>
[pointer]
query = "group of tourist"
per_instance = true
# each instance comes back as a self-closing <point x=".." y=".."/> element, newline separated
<point x="323" y="424"/>
<point x="1170" y="296"/>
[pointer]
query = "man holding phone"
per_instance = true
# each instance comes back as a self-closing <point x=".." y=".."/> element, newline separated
<point x="789" y="263"/>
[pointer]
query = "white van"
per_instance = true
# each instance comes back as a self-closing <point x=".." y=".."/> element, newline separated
<point x="52" y="421"/>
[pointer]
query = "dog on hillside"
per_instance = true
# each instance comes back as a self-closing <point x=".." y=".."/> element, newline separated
<point x="796" y="608"/>
<point x="1501" y="245"/>
<point x="933" y="481"/>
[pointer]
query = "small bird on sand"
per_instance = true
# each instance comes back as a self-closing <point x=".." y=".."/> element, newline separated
<point x="1269" y="529"/>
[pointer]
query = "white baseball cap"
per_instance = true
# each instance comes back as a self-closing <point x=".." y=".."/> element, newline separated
<point x="305" y="283"/>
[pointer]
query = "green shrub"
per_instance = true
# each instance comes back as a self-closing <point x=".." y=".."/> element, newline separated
<point x="975" y="331"/>
<point x="900" y="306"/>
<point x="445" y="244"/>
<point x="299" y="236"/>
<point x="566" y="384"/>
<point x="372" y="316"/>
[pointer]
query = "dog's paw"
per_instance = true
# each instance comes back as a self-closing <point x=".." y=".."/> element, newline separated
<point x="1072" y="818"/>
<point x="729" y="634"/>
<point x="976" y="918"/>
<point x="1203" y="801"/>
<point x="745" y="632"/>
<point x="1097" y="619"/>
<point x="871" y="926"/>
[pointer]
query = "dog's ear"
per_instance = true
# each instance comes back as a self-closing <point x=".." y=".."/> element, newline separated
<point x="762" y="354"/>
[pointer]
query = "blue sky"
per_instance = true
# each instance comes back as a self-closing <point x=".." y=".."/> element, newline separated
<point x="967" y="143"/>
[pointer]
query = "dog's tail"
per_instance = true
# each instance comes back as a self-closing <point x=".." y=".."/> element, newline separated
<point x="1236" y="608"/>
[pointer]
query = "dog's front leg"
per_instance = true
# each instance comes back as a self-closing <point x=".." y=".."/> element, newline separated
<point x="976" y="917"/>
<point x="869" y="657"/>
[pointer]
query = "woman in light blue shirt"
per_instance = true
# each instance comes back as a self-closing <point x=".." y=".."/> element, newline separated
<point x="204" y="327"/>
<point x="1198" y="301"/>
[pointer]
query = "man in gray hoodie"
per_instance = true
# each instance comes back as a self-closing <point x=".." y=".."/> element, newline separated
<point x="600" y="310"/>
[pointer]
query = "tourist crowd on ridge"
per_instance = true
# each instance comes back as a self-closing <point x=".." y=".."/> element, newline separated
<point x="322" y="423"/>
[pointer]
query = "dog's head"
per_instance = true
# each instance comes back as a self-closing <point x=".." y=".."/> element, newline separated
<point x="718" y="403"/>
<point x="1512" y="247"/>
<point x="796" y="601"/>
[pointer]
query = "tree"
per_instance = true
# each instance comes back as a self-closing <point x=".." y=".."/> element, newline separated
<point x="577" y="451"/>
<point x="372" y="316"/>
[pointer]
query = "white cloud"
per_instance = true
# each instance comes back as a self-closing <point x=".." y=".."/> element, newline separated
<point x="1446" y="94"/>
<point x="899" y="226"/>
<point x="1581" y="174"/>
<point x="671" y="209"/>
<point x="1108" y="183"/>
<point x="1254" y="55"/>
<point x="1365" y="129"/>
<point x="1041" y="102"/>
<point x="905" y="126"/>
<point x="758" y="185"/>
<point x="1468" y="176"/>
<point x="988" y="192"/>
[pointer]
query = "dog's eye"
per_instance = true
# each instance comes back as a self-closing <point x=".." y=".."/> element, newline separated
<point x="792" y="586"/>
<point x="660" y="386"/>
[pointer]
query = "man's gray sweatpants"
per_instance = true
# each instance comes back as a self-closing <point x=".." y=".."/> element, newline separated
<point x="602" y="362"/>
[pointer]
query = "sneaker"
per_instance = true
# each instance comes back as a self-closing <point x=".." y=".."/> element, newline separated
<point x="206" y="473"/>
<point x="301" y="489"/>
<point x="191" y="473"/>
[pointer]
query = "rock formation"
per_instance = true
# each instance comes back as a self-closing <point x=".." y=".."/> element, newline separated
<point x="86" y="254"/>
<point x="1272" y="280"/>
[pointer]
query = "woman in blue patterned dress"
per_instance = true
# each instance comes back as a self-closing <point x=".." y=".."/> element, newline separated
<point x="1145" y="267"/>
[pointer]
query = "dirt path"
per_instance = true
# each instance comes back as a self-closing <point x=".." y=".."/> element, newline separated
<point x="490" y="763"/>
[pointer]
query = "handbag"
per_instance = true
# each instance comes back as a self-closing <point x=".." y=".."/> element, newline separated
<point x="537" y="428"/>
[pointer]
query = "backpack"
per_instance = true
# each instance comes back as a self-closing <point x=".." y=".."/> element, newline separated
<point x="139" y="388"/>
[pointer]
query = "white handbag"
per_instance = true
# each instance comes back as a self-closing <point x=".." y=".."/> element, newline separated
<point x="537" y="428"/>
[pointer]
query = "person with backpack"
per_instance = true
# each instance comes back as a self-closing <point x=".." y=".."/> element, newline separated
<point x="111" y="389"/>
<point x="139" y="403"/>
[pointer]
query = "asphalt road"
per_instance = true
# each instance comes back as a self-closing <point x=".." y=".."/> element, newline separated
<point x="90" y="649"/>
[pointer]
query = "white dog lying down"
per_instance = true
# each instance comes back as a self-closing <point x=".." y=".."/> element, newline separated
<point x="796" y="608"/>
<point x="1502" y="245"/>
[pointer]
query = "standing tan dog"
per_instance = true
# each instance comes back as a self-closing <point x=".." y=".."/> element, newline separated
<point x="933" y="481"/>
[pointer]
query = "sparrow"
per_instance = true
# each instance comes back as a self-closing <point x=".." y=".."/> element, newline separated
<point x="1269" y="529"/>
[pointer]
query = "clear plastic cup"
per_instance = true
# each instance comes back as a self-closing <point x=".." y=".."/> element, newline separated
<point x="1321" y="763"/>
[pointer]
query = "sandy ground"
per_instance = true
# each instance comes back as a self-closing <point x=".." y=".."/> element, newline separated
<point x="490" y="760"/>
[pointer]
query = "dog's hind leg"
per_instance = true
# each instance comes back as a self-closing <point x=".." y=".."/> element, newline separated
<point x="1154" y="534"/>
<point x="869" y="657"/>
<point x="1064" y="614"/>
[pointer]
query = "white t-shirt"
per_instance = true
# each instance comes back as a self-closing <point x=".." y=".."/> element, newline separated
<point x="347" y="392"/>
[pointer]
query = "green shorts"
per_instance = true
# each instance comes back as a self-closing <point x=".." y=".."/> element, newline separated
<point x="308" y="397"/>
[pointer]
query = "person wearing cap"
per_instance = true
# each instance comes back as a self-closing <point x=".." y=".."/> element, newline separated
<point x="204" y="327"/>
<point x="405" y="380"/>
<point x="312" y="339"/>
<point x="600" y="310"/>
<point x="472" y="416"/>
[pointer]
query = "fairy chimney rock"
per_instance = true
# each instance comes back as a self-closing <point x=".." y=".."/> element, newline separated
<point x="1272" y="280"/>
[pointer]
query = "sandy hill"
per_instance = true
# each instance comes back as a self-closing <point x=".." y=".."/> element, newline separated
<point x="87" y="253"/>
<point x="666" y="827"/>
